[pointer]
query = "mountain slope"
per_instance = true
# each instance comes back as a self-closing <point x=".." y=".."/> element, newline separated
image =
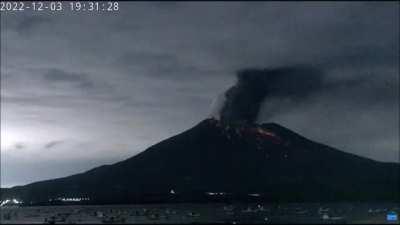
<point x="239" y="161"/>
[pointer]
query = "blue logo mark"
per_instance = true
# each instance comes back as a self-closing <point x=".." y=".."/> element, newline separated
<point x="391" y="216"/>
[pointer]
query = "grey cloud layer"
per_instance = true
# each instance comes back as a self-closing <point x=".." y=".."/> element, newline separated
<point x="121" y="82"/>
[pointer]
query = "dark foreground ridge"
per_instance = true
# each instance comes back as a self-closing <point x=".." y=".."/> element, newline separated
<point x="216" y="161"/>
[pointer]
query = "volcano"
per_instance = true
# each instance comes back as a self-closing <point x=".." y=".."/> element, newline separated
<point x="219" y="161"/>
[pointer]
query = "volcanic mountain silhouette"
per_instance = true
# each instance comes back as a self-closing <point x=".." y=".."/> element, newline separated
<point x="218" y="161"/>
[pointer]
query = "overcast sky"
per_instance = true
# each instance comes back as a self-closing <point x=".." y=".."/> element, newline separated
<point x="80" y="90"/>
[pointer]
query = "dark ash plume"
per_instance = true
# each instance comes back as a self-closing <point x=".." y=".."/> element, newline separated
<point x="254" y="86"/>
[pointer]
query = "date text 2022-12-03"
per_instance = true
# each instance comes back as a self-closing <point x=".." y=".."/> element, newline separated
<point x="58" y="6"/>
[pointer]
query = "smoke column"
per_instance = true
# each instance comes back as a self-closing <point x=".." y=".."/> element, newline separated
<point x="242" y="102"/>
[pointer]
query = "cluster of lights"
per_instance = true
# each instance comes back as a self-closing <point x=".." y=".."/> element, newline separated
<point x="215" y="193"/>
<point x="71" y="199"/>
<point x="223" y="193"/>
<point x="10" y="201"/>
<point x="254" y="195"/>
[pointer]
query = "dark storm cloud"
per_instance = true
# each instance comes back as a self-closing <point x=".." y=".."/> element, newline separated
<point x="25" y="24"/>
<point x="57" y="75"/>
<point x="160" y="66"/>
<point x="19" y="146"/>
<point x="151" y="64"/>
<point x="53" y="144"/>
<point x="373" y="56"/>
<point x="152" y="59"/>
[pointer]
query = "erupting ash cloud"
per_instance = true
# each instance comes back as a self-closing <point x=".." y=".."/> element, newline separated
<point x="242" y="102"/>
